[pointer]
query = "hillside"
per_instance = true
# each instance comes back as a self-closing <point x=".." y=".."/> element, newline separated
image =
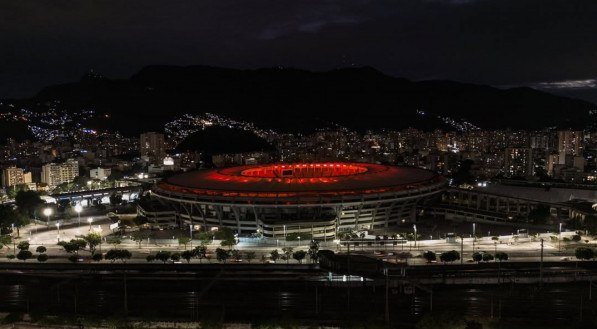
<point x="298" y="100"/>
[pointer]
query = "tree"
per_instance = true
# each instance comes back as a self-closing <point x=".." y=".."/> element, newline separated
<point x="274" y="255"/>
<point x="23" y="245"/>
<point x="222" y="255"/>
<point x="501" y="256"/>
<point x="97" y="257"/>
<point x="28" y="202"/>
<point x="228" y="243"/>
<point x="237" y="255"/>
<point x="487" y="257"/>
<point x="10" y="217"/>
<point x="299" y="255"/>
<point x="449" y="256"/>
<point x="477" y="257"/>
<point x="69" y="247"/>
<point x="227" y="236"/>
<point x="205" y="237"/>
<point x="200" y="252"/>
<point x="140" y="236"/>
<point x="115" y="199"/>
<point x="175" y="257"/>
<point x="150" y="258"/>
<point x="93" y="240"/>
<point x="584" y="253"/>
<point x="163" y="256"/>
<point x="10" y="257"/>
<point x="41" y="249"/>
<point x="81" y="243"/>
<point x="249" y="256"/>
<point x="184" y="240"/>
<point x="73" y="258"/>
<point x="24" y="255"/>
<point x="576" y="238"/>
<point x="429" y="256"/>
<point x="118" y="254"/>
<point x="187" y="255"/>
<point x="42" y="258"/>
<point x="287" y="251"/>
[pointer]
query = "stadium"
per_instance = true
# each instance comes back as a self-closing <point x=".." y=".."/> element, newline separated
<point x="320" y="199"/>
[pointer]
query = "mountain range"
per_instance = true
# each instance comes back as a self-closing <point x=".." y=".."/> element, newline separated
<point x="300" y="101"/>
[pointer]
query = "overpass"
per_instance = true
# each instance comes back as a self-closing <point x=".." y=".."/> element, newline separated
<point x="100" y="195"/>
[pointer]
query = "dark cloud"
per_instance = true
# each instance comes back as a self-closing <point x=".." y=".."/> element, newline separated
<point x="499" y="42"/>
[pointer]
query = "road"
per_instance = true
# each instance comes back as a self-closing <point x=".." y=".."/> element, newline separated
<point x="518" y="249"/>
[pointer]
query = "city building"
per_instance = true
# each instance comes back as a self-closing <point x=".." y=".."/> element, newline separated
<point x="320" y="199"/>
<point x="569" y="143"/>
<point x="12" y="176"/>
<point x="55" y="174"/>
<point x="100" y="173"/>
<point x="152" y="148"/>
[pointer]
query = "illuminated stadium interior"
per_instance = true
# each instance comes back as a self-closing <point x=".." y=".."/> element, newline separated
<point x="316" y="198"/>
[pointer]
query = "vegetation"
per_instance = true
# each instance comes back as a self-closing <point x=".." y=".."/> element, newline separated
<point x="150" y="258"/>
<point x="296" y="236"/>
<point x="584" y="253"/>
<point x="92" y="240"/>
<point x="249" y="256"/>
<point x="187" y="255"/>
<point x="429" y="256"/>
<point x="287" y="252"/>
<point x="274" y="255"/>
<point x="28" y="202"/>
<point x="184" y="240"/>
<point x="97" y="257"/>
<point x="163" y="256"/>
<point x="449" y="256"/>
<point x="222" y="255"/>
<point x="24" y="255"/>
<point x="313" y="251"/>
<point x="118" y="254"/>
<point x="42" y="258"/>
<point x="299" y="255"/>
<point x="41" y="249"/>
<point x="200" y="252"/>
<point x="501" y="256"/>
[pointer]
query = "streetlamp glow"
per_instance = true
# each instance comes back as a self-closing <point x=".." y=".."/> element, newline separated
<point x="48" y="213"/>
<point x="78" y="209"/>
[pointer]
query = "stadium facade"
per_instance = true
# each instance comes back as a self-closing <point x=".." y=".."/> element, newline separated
<point x="320" y="199"/>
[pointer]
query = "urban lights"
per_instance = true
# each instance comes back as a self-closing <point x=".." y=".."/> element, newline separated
<point x="48" y="212"/>
<point x="78" y="209"/>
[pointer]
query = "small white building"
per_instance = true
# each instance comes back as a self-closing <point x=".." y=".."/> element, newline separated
<point x="100" y="173"/>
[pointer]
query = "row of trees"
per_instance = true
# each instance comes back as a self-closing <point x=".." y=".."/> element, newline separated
<point x="453" y="255"/>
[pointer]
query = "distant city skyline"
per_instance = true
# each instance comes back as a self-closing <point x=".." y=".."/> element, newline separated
<point x="548" y="45"/>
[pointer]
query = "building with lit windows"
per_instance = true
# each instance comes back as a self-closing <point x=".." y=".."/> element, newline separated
<point x="320" y="199"/>
<point x="55" y="174"/>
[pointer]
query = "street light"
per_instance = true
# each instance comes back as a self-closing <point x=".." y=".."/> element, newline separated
<point x="48" y="213"/>
<point x="474" y="237"/>
<point x="90" y="220"/>
<point x="78" y="210"/>
<point x="89" y="184"/>
<point x="58" y="228"/>
<point x="415" y="230"/>
<point x="560" y="239"/>
<point x="299" y="237"/>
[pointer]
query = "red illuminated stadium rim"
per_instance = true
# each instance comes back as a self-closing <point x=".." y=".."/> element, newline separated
<point x="301" y="180"/>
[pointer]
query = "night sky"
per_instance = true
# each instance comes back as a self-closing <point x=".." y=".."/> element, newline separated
<point x="543" y="43"/>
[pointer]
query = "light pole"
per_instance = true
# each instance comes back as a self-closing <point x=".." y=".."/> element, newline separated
<point x="299" y="238"/>
<point x="90" y="220"/>
<point x="48" y="213"/>
<point x="58" y="228"/>
<point x="474" y="237"/>
<point x="89" y="184"/>
<point x="78" y="210"/>
<point x="415" y="230"/>
<point x="560" y="239"/>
